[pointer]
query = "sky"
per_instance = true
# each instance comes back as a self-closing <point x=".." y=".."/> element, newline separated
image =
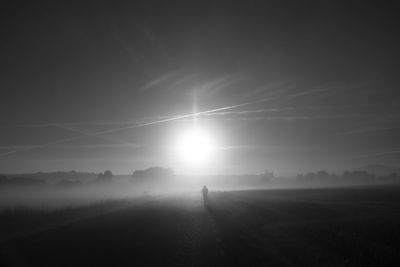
<point x="289" y="86"/>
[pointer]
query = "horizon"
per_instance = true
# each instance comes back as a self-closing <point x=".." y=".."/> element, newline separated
<point x="370" y="168"/>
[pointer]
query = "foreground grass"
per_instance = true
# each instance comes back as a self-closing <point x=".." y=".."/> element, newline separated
<point x="302" y="227"/>
<point x="321" y="227"/>
<point x="22" y="220"/>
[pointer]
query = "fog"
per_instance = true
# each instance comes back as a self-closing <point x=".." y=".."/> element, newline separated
<point x="50" y="197"/>
<point x="156" y="182"/>
<point x="55" y="196"/>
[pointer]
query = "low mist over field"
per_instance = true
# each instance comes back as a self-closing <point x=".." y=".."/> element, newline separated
<point x="61" y="189"/>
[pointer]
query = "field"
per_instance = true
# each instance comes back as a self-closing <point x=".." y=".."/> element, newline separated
<point x="302" y="227"/>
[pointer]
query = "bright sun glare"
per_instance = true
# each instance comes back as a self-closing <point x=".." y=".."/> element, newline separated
<point x="195" y="146"/>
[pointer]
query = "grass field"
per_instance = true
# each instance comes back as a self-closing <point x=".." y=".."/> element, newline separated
<point x="314" y="227"/>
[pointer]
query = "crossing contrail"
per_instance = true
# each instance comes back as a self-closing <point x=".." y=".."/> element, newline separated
<point x="141" y="120"/>
<point x="174" y="118"/>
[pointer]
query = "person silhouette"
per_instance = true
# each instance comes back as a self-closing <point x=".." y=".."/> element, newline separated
<point x="205" y="194"/>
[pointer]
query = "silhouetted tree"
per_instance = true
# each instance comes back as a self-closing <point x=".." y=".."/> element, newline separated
<point x="392" y="177"/>
<point x="268" y="176"/>
<point x="154" y="174"/>
<point x="105" y="177"/>
<point x="358" y="176"/>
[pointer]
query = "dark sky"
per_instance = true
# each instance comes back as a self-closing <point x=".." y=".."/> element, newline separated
<point x="316" y="82"/>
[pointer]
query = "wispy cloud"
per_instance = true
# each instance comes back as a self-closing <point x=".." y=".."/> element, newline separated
<point x="219" y="84"/>
<point x="272" y="89"/>
<point x="160" y="80"/>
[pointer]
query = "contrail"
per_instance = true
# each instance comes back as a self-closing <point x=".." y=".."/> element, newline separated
<point x="286" y="118"/>
<point x="379" y="154"/>
<point x="40" y="146"/>
<point x="120" y="129"/>
<point x="142" y="120"/>
<point x="83" y="134"/>
<point x="370" y="130"/>
<point x="184" y="116"/>
<point x="159" y="80"/>
<point x="296" y="118"/>
<point x="225" y="113"/>
<point x="157" y="122"/>
<point x="107" y="138"/>
<point x="202" y="113"/>
<point x="67" y="146"/>
<point x="94" y="123"/>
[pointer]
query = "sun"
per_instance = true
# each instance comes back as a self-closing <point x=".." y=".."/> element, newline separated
<point x="195" y="146"/>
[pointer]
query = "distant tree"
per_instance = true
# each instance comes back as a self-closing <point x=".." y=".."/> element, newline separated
<point x="358" y="176"/>
<point x="154" y="174"/>
<point x="268" y="176"/>
<point x="108" y="174"/>
<point x="299" y="177"/>
<point x="318" y="177"/>
<point x="392" y="177"/>
<point x="322" y="174"/>
<point x="105" y="177"/>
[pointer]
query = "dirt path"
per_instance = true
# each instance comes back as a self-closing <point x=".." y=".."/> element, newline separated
<point x="173" y="231"/>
